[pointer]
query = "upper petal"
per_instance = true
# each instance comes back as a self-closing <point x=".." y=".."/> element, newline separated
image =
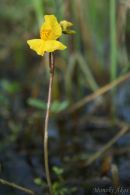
<point x="51" y="29"/>
<point x="38" y="45"/>
<point x="52" y="45"/>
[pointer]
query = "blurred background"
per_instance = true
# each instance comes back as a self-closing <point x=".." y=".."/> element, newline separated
<point x="83" y="118"/>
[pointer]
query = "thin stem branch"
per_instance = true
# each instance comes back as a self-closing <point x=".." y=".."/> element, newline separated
<point x="13" y="185"/>
<point x="99" y="92"/>
<point x="51" y="65"/>
<point x="108" y="145"/>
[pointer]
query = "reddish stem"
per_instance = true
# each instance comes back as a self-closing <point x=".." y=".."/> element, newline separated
<point x="51" y="65"/>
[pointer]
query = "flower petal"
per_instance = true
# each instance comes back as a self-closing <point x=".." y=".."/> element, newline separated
<point x="52" y="45"/>
<point x="51" y="29"/>
<point x="38" y="45"/>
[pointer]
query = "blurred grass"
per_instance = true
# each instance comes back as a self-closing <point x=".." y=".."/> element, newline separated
<point x="39" y="10"/>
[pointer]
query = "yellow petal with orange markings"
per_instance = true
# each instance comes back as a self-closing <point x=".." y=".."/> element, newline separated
<point x="51" y="29"/>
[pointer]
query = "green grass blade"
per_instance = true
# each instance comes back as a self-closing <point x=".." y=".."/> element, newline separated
<point x="113" y="49"/>
<point x="39" y="10"/>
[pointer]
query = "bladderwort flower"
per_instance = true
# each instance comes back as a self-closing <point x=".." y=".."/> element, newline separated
<point x="49" y="33"/>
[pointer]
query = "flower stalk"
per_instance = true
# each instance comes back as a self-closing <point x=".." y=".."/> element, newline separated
<point x="45" y="141"/>
<point x="50" y="32"/>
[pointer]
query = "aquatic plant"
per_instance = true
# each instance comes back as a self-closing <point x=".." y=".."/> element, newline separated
<point x="50" y="31"/>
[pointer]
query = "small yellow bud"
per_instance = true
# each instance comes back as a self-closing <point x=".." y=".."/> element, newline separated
<point x="65" y="25"/>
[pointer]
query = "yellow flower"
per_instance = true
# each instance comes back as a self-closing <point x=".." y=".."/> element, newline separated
<point x="49" y="33"/>
<point x="65" y="25"/>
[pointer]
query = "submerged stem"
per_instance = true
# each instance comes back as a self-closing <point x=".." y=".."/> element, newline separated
<point x="14" y="185"/>
<point x="51" y="64"/>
